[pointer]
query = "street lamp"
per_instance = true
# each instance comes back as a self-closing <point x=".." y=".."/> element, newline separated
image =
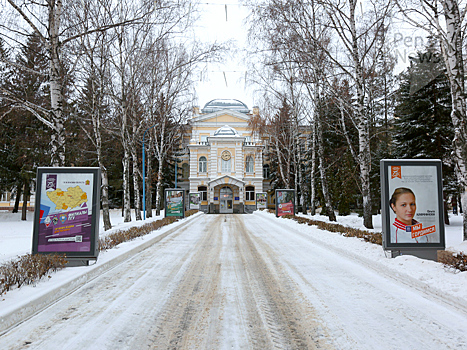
<point x="144" y="173"/>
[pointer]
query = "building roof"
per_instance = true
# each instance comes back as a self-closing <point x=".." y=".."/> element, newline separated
<point x="226" y="131"/>
<point x="221" y="104"/>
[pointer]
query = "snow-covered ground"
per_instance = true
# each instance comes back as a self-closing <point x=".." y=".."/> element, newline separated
<point x="349" y="283"/>
<point x="16" y="235"/>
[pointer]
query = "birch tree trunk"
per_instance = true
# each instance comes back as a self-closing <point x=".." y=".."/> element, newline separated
<point x="160" y="154"/>
<point x="104" y="174"/>
<point x="364" y="157"/>
<point x="149" y="181"/>
<point x="313" y="168"/>
<point x="105" y="198"/>
<point x="56" y="84"/>
<point x="453" y="57"/>
<point x="126" y="185"/>
<point x="136" y="177"/>
<point x="324" y="182"/>
<point x="159" y="189"/>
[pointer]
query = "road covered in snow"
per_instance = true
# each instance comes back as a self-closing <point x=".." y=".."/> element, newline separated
<point x="244" y="282"/>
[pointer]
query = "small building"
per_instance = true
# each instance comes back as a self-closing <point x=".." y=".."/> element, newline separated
<point x="225" y="159"/>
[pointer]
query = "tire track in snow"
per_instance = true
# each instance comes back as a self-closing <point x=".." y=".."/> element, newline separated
<point x="288" y="319"/>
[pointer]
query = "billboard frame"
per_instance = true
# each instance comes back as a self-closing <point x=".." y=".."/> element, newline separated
<point x="392" y="166"/>
<point x="265" y="194"/>
<point x="292" y="200"/>
<point x="166" y="203"/>
<point x="95" y="172"/>
<point x="195" y="206"/>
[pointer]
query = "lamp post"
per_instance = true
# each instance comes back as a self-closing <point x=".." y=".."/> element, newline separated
<point x="144" y="173"/>
<point x="176" y="171"/>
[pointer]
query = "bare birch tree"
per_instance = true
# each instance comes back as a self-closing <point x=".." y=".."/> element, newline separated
<point x="445" y="20"/>
<point x="351" y="35"/>
<point x="53" y="21"/>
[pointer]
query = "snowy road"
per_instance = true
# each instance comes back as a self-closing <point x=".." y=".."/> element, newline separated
<point x="242" y="282"/>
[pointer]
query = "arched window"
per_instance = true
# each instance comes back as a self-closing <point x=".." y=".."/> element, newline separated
<point x="226" y="162"/>
<point x="185" y="170"/>
<point x="249" y="193"/>
<point x="203" y="164"/>
<point x="203" y="193"/>
<point x="249" y="164"/>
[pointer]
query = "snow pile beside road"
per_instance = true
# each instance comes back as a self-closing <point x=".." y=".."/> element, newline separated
<point x="433" y="277"/>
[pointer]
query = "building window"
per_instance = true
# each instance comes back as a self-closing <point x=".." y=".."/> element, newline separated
<point x="185" y="170"/>
<point x="266" y="171"/>
<point x="249" y="193"/>
<point x="203" y="193"/>
<point x="226" y="166"/>
<point x="203" y="164"/>
<point x="249" y="164"/>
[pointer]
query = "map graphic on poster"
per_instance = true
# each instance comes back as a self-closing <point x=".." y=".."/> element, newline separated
<point x="65" y="213"/>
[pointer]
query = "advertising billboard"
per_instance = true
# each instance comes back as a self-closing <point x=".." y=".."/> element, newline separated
<point x="261" y="200"/>
<point x="175" y="202"/>
<point x="285" y="202"/>
<point x="194" y="200"/>
<point x="67" y="208"/>
<point x="412" y="204"/>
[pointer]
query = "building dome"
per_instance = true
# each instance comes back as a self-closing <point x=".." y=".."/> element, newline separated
<point x="221" y="104"/>
<point x="226" y="131"/>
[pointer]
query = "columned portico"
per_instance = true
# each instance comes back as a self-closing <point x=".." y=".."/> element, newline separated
<point x="226" y="195"/>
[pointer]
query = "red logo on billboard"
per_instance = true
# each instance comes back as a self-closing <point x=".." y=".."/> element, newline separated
<point x="396" y="172"/>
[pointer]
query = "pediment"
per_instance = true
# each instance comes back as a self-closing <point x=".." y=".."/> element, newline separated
<point x="226" y="179"/>
<point x="224" y="117"/>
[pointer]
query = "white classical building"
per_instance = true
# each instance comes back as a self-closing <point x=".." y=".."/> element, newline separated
<point x="225" y="161"/>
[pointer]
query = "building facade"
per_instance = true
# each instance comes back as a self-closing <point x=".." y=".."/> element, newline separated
<point x="224" y="162"/>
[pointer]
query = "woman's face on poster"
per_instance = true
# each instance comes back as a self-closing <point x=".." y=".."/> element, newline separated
<point x="405" y="208"/>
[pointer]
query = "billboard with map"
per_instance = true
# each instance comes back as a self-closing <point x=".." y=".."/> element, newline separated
<point x="67" y="211"/>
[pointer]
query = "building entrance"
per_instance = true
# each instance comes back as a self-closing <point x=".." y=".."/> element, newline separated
<point x="226" y="200"/>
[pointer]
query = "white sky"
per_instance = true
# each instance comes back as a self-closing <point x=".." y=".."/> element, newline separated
<point x="225" y="80"/>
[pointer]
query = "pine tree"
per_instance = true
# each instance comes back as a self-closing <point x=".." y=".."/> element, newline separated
<point x="24" y="136"/>
<point x="423" y="126"/>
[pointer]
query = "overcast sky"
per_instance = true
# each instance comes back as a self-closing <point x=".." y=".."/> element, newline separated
<point x="226" y="80"/>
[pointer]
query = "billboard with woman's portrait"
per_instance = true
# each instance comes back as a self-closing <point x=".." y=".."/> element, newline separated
<point x="285" y="202"/>
<point x="412" y="204"/>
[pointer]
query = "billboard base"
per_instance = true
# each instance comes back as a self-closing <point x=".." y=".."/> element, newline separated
<point x="78" y="262"/>
<point x="426" y="253"/>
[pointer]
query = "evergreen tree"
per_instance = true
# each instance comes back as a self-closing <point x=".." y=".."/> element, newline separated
<point x="423" y="127"/>
<point x="23" y="136"/>
<point x="422" y="123"/>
